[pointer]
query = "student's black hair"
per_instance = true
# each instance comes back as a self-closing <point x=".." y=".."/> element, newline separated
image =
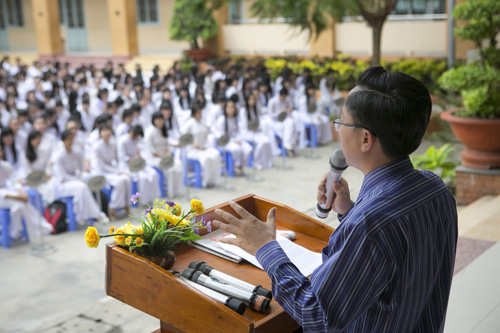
<point x="226" y="126"/>
<point x="105" y="127"/>
<point x="251" y="110"/>
<point x="5" y="132"/>
<point x="136" y="131"/>
<point x="66" y="134"/>
<point x="166" y="105"/>
<point x="127" y="113"/>
<point x="195" y="107"/>
<point x="159" y="115"/>
<point x="308" y="98"/>
<point x="135" y="107"/>
<point x="30" y="150"/>
<point x="394" y="106"/>
<point x="186" y="88"/>
<point x="50" y="113"/>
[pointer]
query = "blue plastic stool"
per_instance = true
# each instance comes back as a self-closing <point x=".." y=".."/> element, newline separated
<point x="229" y="167"/>
<point x="250" y="158"/>
<point x="195" y="167"/>
<point x="280" y="145"/>
<point x="5" y="238"/>
<point x="161" y="181"/>
<point x="35" y="199"/>
<point x="312" y="135"/>
<point x="70" y="213"/>
<point x="327" y="110"/>
<point x="134" y="190"/>
<point x="108" y="191"/>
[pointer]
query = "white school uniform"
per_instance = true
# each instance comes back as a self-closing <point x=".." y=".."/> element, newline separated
<point x="208" y="157"/>
<point x="288" y="130"/>
<point x="104" y="162"/>
<point x="322" y="122"/>
<point x="156" y="143"/>
<point x="239" y="148"/>
<point x="181" y="109"/>
<point x="262" y="155"/>
<point x="68" y="167"/>
<point x="42" y="162"/>
<point x="147" y="178"/>
<point x="19" y="209"/>
<point x="328" y="97"/>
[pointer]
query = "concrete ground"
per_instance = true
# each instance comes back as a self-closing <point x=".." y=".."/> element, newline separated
<point x="64" y="291"/>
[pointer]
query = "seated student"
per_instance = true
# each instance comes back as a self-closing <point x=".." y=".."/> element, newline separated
<point x="182" y="105"/>
<point x="321" y="121"/>
<point x="228" y="124"/>
<point x="103" y="162"/>
<point x="126" y="124"/>
<point x="11" y="151"/>
<point x="287" y="129"/>
<point x="202" y="148"/>
<point x="157" y="146"/>
<point x="12" y="196"/>
<point x="49" y="139"/>
<point x="262" y="155"/>
<point x="69" y="171"/>
<point x="329" y="92"/>
<point x="147" y="178"/>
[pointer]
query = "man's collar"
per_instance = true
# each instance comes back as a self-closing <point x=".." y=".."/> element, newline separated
<point x="391" y="169"/>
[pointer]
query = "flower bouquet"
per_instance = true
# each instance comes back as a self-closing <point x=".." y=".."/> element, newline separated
<point x="163" y="226"/>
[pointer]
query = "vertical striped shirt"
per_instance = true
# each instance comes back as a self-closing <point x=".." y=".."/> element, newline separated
<point x="388" y="266"/>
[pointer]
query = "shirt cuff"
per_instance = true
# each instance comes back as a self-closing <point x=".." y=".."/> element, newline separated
<point x="271" y="255"/>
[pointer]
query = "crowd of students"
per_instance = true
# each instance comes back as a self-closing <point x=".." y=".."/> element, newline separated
<point x="76" y="123"/>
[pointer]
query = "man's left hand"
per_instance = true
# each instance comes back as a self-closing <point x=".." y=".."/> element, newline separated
<point x="251" y="233"/>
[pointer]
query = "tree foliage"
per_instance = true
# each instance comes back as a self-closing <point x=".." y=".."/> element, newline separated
<point x="315" y="15"/>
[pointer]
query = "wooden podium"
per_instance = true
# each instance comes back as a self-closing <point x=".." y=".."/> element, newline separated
<point x="143" y="285"/>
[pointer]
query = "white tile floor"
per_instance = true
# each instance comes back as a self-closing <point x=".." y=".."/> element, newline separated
<point x="475" y="296"/>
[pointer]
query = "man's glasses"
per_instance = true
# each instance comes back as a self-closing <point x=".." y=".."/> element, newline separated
<point x="338" y="122"/>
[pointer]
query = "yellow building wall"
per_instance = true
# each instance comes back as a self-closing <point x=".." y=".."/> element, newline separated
<point x="98" y="31"/>
<point x="399" y="38"/>
<point x="155" y="38"/>
<point x="23" y="39"/>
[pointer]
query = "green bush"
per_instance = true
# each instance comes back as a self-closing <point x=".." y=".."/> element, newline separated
<point x="437" y="160"/>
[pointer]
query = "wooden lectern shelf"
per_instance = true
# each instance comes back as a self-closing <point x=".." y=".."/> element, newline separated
<point x="143" y="285"/>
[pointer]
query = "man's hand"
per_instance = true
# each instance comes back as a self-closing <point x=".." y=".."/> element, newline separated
<point x="251" y="233"/>
<point x="342" y="203"/>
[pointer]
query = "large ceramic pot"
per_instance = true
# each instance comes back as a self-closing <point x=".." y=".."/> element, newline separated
<point x="198" y="55"/>
<point x="481" y="138"/>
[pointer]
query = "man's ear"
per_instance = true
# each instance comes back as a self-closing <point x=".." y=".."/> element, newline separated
<point x="368" y="140"/>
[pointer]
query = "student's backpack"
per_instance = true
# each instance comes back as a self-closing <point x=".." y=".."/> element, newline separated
<point x="55" y="214"/>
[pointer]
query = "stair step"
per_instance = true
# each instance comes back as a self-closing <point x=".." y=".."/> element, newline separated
<point x="488" y="229"/>
<point x="479" y="210"/>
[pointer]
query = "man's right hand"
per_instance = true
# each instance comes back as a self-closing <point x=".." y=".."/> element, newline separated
<point x="342" y="203"/>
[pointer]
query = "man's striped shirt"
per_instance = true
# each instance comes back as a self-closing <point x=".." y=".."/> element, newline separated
<point x="388" y="266"/>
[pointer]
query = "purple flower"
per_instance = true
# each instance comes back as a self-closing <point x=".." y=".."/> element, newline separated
<point x="209" y="226"/>
<point x="135" y="197"/>
<point x="149" y="210"/>
<point x="170" y="203"/>
<point x="194" y="226"/>
<point x="203" y="221"/>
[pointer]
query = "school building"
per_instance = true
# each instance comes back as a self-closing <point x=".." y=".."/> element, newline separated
<point x="82" y="30"/>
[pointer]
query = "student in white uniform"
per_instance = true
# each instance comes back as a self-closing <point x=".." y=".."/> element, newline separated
<point x="182" y="105"/>
<point x="157" y="145"/>
<point x="147" y="178"/>
<point x="202" y="148"/>
<point x="11" y="151"/>
<point x="69" y="169"/>
<point x="104" y="162"/>
<point x="228" y="124"/>
<point x="12" y="196"/>
<point x="262" y="155"/>
<point x="287" y="129"/>
<point x="126" y="124"/>
<point x="173" y="130"/>
<point x="49" y="140"/>
<point x="317" y="118"/>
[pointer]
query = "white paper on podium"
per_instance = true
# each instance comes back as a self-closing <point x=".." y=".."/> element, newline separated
<point x="305" y="260"/>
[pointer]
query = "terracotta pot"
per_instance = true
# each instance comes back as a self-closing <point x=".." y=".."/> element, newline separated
<point x="481" y="138"/>
<point x="198" y="55"/>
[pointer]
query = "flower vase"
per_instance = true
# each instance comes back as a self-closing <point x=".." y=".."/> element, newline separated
<point x="165" y="262"/>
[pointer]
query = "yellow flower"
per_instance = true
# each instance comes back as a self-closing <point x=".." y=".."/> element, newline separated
<point x="138" y="241"/>
<point x="92" y="237"/>
<point x="129" y="223"/>
<point x="111" y="230"/>
<point x="119" y="239"/>
<point x="139" y="231"/>
<point x="128" y="240"/>
<point x="176" y="210"/>
<point x="197" y="206"/>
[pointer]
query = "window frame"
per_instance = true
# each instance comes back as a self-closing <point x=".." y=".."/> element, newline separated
<point x="147" y="11"/>
<point x="15" y="14"/>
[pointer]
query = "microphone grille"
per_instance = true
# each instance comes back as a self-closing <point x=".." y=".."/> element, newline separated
<point x="337" y="160"/>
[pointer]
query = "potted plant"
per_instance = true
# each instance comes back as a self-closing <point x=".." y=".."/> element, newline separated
<point x="193" y="21"/>
<point x="477" y="125"/>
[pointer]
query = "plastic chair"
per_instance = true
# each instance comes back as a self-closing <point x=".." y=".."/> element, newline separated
<point x="250" y="159"/>
<point x="229" y="167"/>
<point x="5" y="238"/>
<point x="161" y="182"/>
<point x="134" y="190"/>
<point x="70" y="214"/>
<point x="284" y="152"/>
<point x="311" y="135"/>
<point x="35" y="199"/>
<point x="195" y="167"/>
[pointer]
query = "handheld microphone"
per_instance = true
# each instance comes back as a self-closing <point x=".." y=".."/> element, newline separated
<point x="258" y="303"/>
<point x="228" y="279"/>
<point x="337" y="166"/>
<point x="230" y="302"/>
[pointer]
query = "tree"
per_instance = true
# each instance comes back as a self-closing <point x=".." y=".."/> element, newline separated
<point x="314" y="15"/>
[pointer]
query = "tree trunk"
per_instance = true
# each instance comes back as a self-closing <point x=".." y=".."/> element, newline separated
<point x="194" y="44"/>
<point x="376" y="42"/>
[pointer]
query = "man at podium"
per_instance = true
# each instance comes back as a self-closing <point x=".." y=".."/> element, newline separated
<point x="388" y="266"/>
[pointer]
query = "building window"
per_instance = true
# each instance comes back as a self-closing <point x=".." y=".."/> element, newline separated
<point x="420" y="7"/>
<point x="14" y="12"/>
<point x="235" y="12"/>
<point x="147" y="11"/>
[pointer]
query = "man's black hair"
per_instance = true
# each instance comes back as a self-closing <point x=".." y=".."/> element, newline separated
<point x="393" y="105"/>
